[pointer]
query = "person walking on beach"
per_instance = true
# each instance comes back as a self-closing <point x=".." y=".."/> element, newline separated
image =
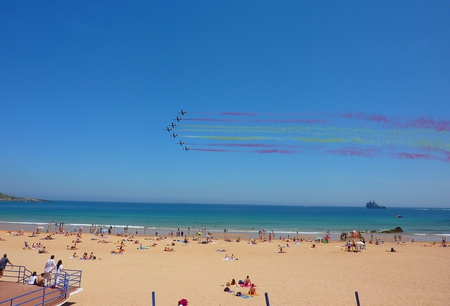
<point x="48" y="268"/>
<point x="3" y="263"/>
<point x="58" y="270"/>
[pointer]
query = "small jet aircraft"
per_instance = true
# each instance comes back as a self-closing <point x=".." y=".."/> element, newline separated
<point x="182" y="112"/>
<point x="180" y="143"/>
<point x="174" y="135"/>
<point x="168" y="129"/>
<point x="173" y="125"/>
<point x="186" y="148"/>
<point x="178" y="119"/>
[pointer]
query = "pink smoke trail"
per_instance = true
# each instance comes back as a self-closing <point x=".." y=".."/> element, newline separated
<point x="428" y="122"/>
<point x="415" y="156"/>
<point x="238" y="114"/>
<point x="275" y="151"/>
<point x="370" y="152"/>
<point x="213" y="119"/>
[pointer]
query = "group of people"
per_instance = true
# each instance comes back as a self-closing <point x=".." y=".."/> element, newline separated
<point x="49" y="268"/>
<point x="242" y="283"/>
<point x="43" y="279"/>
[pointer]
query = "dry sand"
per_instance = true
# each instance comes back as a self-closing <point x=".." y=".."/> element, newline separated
<point x="326" y="275"/>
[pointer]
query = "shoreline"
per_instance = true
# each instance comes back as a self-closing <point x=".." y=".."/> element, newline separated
<point x="150" y="232"/>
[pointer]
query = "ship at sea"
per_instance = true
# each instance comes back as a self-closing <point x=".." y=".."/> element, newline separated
<point x="373" y="204"/>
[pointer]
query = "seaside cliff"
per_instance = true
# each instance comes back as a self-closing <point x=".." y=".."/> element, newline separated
<point x="8" y="198"/>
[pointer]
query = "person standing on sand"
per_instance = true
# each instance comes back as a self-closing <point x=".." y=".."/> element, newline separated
<point x="48" y="268"/>
<point x="58" y="270"/>
<point x="3" y="263"/>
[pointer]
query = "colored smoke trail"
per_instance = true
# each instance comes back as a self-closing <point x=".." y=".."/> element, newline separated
<point x="346" y="134"/>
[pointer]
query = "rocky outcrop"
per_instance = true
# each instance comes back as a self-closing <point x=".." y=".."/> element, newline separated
<point x="398" y="229"/>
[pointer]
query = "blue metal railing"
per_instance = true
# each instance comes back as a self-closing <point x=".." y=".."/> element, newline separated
<point x="43" y="295"/>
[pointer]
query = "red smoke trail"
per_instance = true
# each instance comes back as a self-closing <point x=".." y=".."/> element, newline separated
<point x="250" y="145"/>
<point x="212" y="150"/>
<point x="415" y="156"/>
<point x="360" y="115"/>
<point x="428" y="123"/>
<point x="212" y="119"/>
<point x="371" y="152"/>
<point x="275" y="151"/>
<point x="238" y="114"/>
<point x="309" y="121"/>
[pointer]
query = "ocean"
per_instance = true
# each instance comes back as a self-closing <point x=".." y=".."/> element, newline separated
<point x="315" y="220"/>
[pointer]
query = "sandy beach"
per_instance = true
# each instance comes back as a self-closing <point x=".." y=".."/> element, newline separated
<point x="417" y="274"/>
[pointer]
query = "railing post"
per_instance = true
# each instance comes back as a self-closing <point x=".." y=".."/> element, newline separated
<point x="357" y="298"/>
<point x="153" y="299"/>
<point x="267" y="299"/>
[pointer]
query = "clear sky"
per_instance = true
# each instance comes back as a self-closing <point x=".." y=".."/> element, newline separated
<point x="88" y="87"/>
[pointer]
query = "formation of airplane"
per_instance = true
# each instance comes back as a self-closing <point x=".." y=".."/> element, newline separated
<point x="173" y="125"/>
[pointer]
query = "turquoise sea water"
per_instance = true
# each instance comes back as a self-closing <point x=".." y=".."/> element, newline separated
<point x="215" y="218"/>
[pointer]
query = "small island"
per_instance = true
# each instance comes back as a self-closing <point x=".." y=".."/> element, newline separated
<point x="8" y="198"/>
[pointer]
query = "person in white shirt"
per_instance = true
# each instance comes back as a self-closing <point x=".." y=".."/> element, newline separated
<point x="58" y="270"/>
<point x="48" y="268"/>
<point x="33" y="279"/>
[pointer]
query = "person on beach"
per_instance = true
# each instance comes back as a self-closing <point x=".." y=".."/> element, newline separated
<point x="40" y="280"/>
<point x="252" y="290"/>
<point x="247" y="282"/>
<point x="58" y="270"/>
<point x="48" y="268"/>
<point x="3" y="263"/>
<point x="33" y="279"/>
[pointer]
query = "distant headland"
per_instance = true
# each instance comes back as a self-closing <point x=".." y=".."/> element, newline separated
<point x="8" y="198"/>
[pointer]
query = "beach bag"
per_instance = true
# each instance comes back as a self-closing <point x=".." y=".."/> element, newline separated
<point x="238" y="293"/>
<point x="183" y="302"/>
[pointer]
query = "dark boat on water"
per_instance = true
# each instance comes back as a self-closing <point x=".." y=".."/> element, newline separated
<point x="373" y="204"/>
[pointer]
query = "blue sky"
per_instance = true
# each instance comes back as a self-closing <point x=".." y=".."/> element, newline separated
<point x="87" y="88"/>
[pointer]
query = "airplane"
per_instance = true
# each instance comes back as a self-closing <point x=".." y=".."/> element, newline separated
<point x="186" y="148"/>
<point x="168" y="129"/>
<point x="174" y="135"/>
<point x="182" y="112"/>
<point x="173" y="125"/>
<point x="178" y="119"/>
<point x="181" y="143"/>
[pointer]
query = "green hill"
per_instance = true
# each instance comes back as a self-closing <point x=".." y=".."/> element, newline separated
<point x="9" y="198"/>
